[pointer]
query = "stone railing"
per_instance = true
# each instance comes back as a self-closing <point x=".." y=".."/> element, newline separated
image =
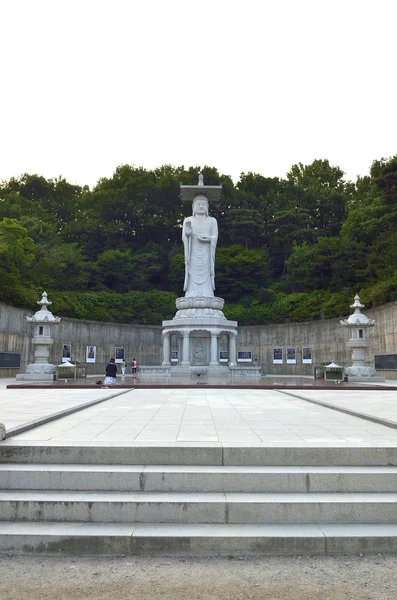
<point x="245" y="371"/>
<point x="153" y="371"/>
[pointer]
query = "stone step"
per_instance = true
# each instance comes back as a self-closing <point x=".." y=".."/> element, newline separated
<point x="209" y="508"/>
<point x="174" y="478"/>
<point x="216" y="454"/>
<point x="226" y="539"/>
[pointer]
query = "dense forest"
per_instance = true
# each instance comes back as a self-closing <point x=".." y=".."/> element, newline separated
<point x="289" y="249"/>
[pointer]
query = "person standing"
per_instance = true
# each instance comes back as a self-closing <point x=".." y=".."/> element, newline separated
<point x="133" y="366"/>
<point x="111" y="372"/>
<point x="123" y="365"/>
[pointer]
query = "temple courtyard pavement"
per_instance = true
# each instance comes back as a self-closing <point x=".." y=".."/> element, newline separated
<point x="198" y="469"/>
<point x="309" y="414"/>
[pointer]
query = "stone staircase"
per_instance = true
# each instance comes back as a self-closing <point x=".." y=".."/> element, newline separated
<point x="197" y="500"/>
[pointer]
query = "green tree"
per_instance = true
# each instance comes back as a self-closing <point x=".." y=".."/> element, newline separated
<point x="176" y="270"/>
<point x="115" y="269"/>
<point x="311" y="267"/>
<point x="241" y="272"/>
<point x="384" y="175"/>
<point x="320" y="189"/>
<point x="243" y="225"/>
<point x="266" y="196"/>
<point x="289" y="227"/>
<point x="61" y="267"/>
<point x="17" y="255"/>
<point x="369" y="229"/>
<point x="53" y="200"/>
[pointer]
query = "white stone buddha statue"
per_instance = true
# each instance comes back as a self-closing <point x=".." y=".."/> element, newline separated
<point x="199" y="236"/>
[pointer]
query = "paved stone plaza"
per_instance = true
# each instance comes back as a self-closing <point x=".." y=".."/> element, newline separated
<point x="172" y="415"/>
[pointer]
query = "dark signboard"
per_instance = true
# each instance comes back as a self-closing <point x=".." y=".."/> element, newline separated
<point x="244" y="356"/>
<point x="10" y="360"/>
<point x="386" y="362"/>
<point x="277" y="356"/>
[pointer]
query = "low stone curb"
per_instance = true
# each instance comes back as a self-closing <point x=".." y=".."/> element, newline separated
<point x="347" y="411"/>
<point x="53" y="417"/>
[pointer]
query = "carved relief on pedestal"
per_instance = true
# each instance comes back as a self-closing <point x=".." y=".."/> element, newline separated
<point x="200" y="354"/>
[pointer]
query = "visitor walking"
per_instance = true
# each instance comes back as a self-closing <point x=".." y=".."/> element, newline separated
<point x="111" y="372"/>
<point x="133" y="366"/>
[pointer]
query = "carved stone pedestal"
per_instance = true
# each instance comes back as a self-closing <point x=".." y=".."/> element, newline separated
<point x="38" y="372"/>
<point x="195" y="331"/>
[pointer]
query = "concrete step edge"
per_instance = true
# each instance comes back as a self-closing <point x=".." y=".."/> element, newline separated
<point x="199" y="454"/>
<point x="69" y="478"/>
<point x="196" y="497"/>
<point x="198" y="529"/>
<point x="200" y="469"/>
<point x="190" y="539"/>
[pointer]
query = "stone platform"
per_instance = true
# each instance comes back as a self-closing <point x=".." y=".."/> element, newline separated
<point x="199" y="471"/>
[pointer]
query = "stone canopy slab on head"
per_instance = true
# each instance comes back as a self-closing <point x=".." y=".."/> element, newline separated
<point x="211" y="192"/>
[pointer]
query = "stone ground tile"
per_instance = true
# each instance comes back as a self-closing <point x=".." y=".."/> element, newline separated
<point x="103" y="437"/>
<point x="194" y="434"/>
<point x="153" y="438"/>
<point x="279" y="439"/>
<point x="197" y="438"/>
<point x="224" y="437"/>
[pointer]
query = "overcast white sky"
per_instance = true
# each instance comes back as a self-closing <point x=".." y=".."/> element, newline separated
<point x="253" y="85"/>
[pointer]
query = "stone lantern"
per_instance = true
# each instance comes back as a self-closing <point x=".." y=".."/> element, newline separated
<point x="43" y="321"/>
<point x="358" y="325"/>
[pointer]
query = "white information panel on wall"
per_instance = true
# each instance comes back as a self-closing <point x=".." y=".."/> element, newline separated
<point x="223" y="356"/>
<point x="66" y="352"/>
<point x="90" y="354"/>
<point x="291" y="356"/>
<point x="277" y="356"/>
<point x="174" y="357"/>
<point x="119" y="354"/>
<point x="307" y="356"/>
<point x="244" y="356"/>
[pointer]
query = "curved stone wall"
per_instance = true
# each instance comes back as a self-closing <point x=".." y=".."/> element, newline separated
<point x="326" y="338"/>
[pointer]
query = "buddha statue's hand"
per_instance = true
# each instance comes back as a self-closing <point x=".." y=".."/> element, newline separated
<point x="204" y="238"/>
<point x="188" y="228"/>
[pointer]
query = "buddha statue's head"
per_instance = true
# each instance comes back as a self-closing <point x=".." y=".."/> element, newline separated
<point x="200" y="205"/>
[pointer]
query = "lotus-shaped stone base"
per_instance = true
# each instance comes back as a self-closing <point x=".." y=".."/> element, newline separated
<point x="200" y="307"/>
<point x="200" y="302"/>
<point x="360" y="371"/>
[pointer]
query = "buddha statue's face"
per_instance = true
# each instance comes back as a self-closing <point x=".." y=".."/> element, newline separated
<point x="200" y="205"/>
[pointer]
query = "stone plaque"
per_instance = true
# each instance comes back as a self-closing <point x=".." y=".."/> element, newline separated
<point x="10" y="360"/>
<point x="386" y="362"/>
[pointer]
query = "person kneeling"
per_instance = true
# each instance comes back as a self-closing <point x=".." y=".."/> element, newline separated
<point x="111" y="372"/>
